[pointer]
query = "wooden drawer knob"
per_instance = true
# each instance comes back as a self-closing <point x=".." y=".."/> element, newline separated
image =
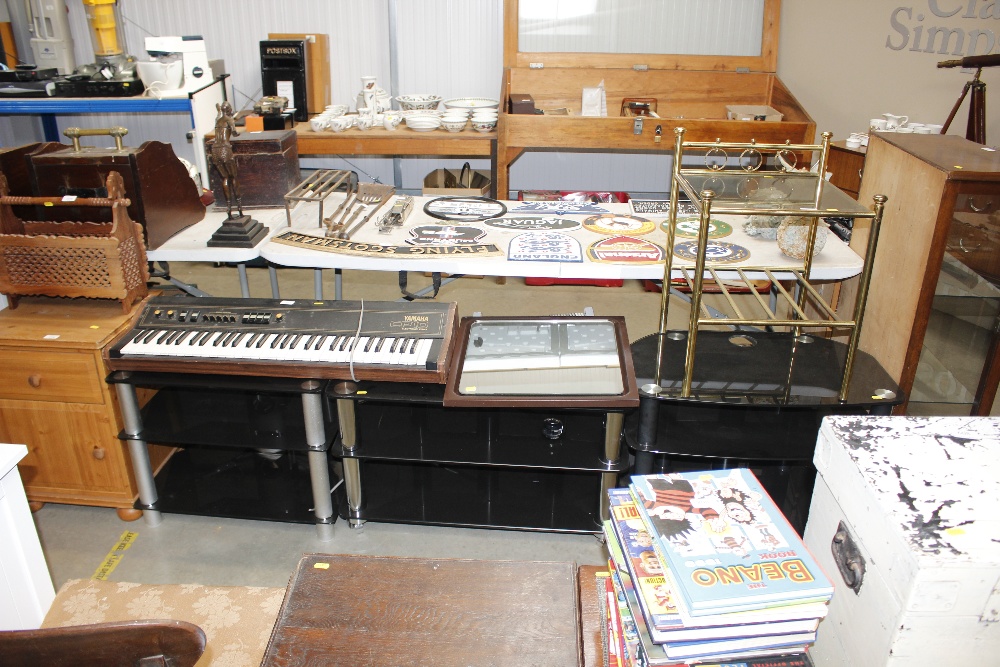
<point x="98" y="453"/>
<point x="35" y="380"/>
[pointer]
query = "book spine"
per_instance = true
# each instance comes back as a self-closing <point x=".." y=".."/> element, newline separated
<point x="614" y="625"/>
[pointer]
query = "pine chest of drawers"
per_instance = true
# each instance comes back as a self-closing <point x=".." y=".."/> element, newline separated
<point x="53" y="399"/>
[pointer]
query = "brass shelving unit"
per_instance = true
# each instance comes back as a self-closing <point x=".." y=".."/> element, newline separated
<point x="764" y="181"/>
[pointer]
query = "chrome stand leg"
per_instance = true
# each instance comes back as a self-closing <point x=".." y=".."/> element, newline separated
<point x="139" y="453"/>
<point x="352" y="466"/>
<point x="319" y="466"/>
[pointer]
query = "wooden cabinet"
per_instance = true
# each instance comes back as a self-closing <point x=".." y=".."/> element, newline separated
<point x="934" y="303"/>
<point x="53" y="398"/>
<point x="846" y="166"/>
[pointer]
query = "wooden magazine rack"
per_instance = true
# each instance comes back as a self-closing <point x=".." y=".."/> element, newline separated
<point x="72" y="259"/>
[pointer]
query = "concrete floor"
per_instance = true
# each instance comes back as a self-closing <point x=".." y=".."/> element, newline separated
<point x="80" y="541"/>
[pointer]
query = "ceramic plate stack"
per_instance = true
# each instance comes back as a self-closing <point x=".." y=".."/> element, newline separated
<point x="423" y="122"/>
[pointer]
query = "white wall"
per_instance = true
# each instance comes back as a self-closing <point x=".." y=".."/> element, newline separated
<point x="846" y="62"/>
<point x="833" y="56"/>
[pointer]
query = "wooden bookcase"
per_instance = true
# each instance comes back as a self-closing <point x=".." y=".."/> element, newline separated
<point x="693" y="92"/>
<point x="53" y="398"/>
<point x="934" y="302"/>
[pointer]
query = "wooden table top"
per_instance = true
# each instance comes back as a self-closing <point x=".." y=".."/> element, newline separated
<point x="401" y="141"/>
<point x="381" y="610"/>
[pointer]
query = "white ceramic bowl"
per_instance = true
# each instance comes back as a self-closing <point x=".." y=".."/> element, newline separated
<point x="484" y="116"/>
<point x="455" y="114"/>
<point x="483" y="125"/>
<point x="471" y="103"/>
<point x="454" y="125"/>
<point x="414" y="102"/>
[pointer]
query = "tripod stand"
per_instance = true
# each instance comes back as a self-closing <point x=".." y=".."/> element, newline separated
<point x="976" y="129"/>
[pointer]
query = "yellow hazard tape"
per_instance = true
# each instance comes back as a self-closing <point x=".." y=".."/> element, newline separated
<point x="115" y="555"/>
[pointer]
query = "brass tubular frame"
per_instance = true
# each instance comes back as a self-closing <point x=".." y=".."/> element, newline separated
<point x="805" y="294"/>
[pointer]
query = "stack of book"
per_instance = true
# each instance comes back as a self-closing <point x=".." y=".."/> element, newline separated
<point x="705" y="568"/>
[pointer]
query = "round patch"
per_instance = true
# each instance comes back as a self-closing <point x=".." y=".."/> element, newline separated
<point x="716" y="252"/>
<point x="688" y="227"/>
<point x="610" y="223"/>
<point x="625" y="250"/>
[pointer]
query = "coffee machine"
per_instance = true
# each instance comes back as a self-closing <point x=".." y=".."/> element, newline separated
<point x="179" y="65"/>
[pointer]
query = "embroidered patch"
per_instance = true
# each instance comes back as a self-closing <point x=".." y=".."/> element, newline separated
<point x="618" y="224"/>
<point x="688" y="227"/>
<point x="544" y="247"/>
<point x="444" y="235"/>
<point x="559" y="207"/>
<point x="374" y="249"/>
<point x="534" y="224"/>
<point x="625" y="250"/>
<point x="716" y="252"/>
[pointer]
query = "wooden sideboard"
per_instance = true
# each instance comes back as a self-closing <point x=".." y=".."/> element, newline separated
<point x="53" y="398"/>
<point x="847" y="166"/>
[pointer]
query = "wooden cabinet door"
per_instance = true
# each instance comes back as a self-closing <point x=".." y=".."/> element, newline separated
<point x="73" y="454"/>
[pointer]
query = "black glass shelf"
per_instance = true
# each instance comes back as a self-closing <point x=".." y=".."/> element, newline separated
<point x="469" y="496"/>
<point x="484" y="437"/>
<point x="195" y="416"/>
<point x="763" y="369"/>
<point x="236" y="483"/>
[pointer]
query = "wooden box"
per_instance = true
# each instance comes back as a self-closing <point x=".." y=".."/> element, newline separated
<point x="164" y="198"/>
<point x="267" y="167"/>
<point x="917" y="497"/>
<point x="318" y="82"/>
<point x="693" y="92"/>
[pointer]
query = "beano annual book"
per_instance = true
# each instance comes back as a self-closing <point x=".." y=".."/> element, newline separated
<point x="644" y="570"/>
<point x="725" y="544"/>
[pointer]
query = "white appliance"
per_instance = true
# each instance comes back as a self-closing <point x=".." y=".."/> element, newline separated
<point x="179" y="65"/>
<point x="51" y="41"/>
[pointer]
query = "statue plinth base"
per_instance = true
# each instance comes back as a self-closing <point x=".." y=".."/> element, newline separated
<point x="239" y="232"/>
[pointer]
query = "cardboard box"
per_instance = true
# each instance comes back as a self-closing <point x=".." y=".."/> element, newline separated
<point x="752" y="112"/>
<point x="446" y="183"/>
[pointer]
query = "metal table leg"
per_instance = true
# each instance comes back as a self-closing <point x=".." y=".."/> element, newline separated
<point x="319" y="466"/>
<point x="352" y="466"/>
<point x="139" y="452"/>
<point x="612" y="450"/>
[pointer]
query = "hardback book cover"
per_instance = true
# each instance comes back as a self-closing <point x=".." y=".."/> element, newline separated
<point x="726" y="545"/>
<point x="644" y="568"/>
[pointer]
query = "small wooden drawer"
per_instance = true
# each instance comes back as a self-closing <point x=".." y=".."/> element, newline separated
<point x="982" y="204"/>
<point x="69" y="377"/>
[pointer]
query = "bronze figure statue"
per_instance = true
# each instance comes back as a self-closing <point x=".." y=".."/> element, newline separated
<point x="224" y="159"/>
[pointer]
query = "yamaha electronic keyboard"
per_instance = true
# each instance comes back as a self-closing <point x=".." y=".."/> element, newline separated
<point x="294" y="338"/>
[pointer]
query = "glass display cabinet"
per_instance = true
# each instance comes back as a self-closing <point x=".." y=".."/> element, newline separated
<point x="935" y="291"/>
<point x="750" y="388"/>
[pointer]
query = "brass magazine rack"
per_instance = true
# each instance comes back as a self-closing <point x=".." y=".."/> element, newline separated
<point x="764" y="180"/>
<point x="72" y="259"/>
